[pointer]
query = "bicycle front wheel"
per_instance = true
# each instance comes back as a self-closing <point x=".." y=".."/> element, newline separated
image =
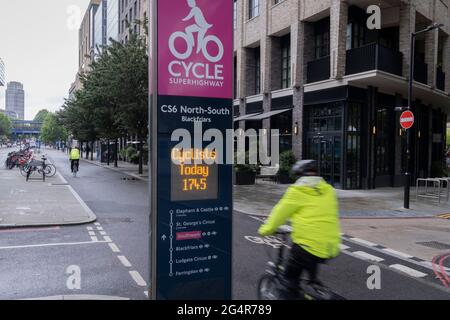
<point x="50" y="170"/>
<point x="268" y="288"/>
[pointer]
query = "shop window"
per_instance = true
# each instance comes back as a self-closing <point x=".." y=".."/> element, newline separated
<point x="353" y="171"/>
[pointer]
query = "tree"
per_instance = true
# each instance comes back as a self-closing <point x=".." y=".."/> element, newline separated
<point x="5" y="125"/>
<point x="52" y="130"/>
<point x="113" y="100"/>
<point x="40" y="116"/>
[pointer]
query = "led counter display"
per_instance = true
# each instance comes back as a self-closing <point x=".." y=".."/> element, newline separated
<point x="191" y="181"/>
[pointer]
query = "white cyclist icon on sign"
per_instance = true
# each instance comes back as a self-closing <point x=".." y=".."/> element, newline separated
<point x="201" y="27"/>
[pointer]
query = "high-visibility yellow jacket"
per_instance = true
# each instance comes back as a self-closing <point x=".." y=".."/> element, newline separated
<point x="74" y="154"/>
<point x="311" y="205"/>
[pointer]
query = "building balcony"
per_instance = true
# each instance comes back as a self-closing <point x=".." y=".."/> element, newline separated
<point x="440" y="79"/>
<point x="374" y="57"/>
<point x="420" y="71"/>
<point x="318" y="70"/>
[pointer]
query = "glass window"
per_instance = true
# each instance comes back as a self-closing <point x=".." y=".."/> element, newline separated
<point x="322" y="44"/>
<point x="354" y="146"/>
<point x="258" y="70"/>
<point x="286" y="62"/>
<point x="254" y="6"/>
<point x="235" y="14"/>
<point x="384" y="142"/>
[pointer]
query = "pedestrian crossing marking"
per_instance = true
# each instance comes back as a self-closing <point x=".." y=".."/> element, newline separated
<point x="444" y="216"/>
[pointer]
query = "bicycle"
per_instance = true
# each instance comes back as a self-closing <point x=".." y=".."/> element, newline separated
<point x="47" y="170"/>
<point x="50" y="169"/>
<point x="269" y="284"/>
<point x="75" y="168"/>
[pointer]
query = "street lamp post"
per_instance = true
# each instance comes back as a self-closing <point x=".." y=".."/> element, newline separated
<point x="410" y="90"/>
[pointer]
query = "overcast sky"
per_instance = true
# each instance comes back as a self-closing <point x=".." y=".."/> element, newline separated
<point x="39" y="45"/>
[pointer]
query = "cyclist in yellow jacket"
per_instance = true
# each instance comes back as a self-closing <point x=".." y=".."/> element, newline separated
<point x="312" y="207"/>
<point x="74" y="158"/>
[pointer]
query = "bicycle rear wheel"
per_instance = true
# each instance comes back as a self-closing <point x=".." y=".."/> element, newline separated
<point x="24" y="170"/>
<point x="268" y="288"/>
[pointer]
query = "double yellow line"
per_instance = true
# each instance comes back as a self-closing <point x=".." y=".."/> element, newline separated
<point x="444" y="216"/>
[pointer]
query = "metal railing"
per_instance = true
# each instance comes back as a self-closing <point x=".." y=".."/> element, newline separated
<point x="420" y="71"/>
<point x="318" y="70"/>
<point x="374" y="57"/>
<point x="440" y="79"/>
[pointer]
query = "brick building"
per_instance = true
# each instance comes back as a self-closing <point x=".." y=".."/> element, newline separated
<point x="313" y="70"/>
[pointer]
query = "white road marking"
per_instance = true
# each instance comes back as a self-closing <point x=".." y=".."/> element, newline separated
<point x="124" y="261"/>
<point x="103" y="233"/>
<point x="367" y="243"/>
<point x="107" y="239"/>
<point x="99" y="228"/>
<point x="366" y="256"/>
<point x="113" y="247"/>
<point x="91" y="233"/>
<point x="138" y="278"/>
<point x="50" y="245"/>
<point x="344" y="247"/>
<point x="94" y="239"/>
<point x="89" y="228"/>
<point x="97" y="224"/>
<point x="409" y="271"/>
<point x="397" y="253"/>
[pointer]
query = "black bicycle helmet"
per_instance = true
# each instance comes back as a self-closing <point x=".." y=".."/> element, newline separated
<point x="304" y="166"/>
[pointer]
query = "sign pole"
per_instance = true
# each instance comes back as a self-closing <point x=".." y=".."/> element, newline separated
<point x="408" y="133"/>
<point x="153" y="150"/>
<point x="191" y="110"/>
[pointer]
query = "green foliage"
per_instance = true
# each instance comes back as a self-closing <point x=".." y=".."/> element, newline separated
<point x="448" y="137"/>
<point x="113" y="101"/>
<point x="5" y="125"/>
<point x="53" y="130"/>
<point x="287" y="161"/>
<point x="41" y="115"/>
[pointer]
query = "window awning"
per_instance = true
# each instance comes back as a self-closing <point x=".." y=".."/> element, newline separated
<point x="246" y="116"/>
<point x="267" y="115"/>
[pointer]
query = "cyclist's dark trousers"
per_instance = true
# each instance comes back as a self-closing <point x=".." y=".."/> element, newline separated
<point x="299" y="261"/>
<point x="74" y="163"/>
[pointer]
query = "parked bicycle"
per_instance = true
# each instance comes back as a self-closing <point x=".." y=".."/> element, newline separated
<point x="17" y="158"/>
<point x="270" y="284"/>
<point x="41" y="167"/>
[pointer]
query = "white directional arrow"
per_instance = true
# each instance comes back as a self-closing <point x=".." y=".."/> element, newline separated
<point x="164" y="237"/>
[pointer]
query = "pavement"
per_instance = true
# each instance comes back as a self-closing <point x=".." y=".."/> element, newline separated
<point x="123" y="167"/>
<point x="38" y="203"/>
<point x="259" y="199"/>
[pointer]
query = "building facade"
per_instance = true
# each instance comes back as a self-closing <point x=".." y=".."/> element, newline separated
<point x="132" y="12"/>
<point x="333" y="87"/>
<point x="15" y="99"/>
<point x="2" y="73"/>
<point x="112" y="17"/>
<point x="100" y="27"/>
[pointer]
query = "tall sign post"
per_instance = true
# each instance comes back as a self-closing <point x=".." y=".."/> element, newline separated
<point x="191" y="182"/>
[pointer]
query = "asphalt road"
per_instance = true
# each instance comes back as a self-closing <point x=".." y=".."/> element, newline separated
<point x="112" y="254"/>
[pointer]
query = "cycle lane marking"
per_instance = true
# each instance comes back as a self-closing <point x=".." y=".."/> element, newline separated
<point x="135" y="275"/>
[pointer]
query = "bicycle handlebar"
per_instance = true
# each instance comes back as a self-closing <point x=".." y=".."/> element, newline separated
<point x="284" y="230"/>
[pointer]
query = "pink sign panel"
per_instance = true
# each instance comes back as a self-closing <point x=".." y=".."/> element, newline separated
<point x="195" y="48"/>
<point x="190" y="235"/>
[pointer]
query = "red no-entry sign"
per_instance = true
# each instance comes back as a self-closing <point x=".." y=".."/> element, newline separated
<point x="407" y="120"/>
